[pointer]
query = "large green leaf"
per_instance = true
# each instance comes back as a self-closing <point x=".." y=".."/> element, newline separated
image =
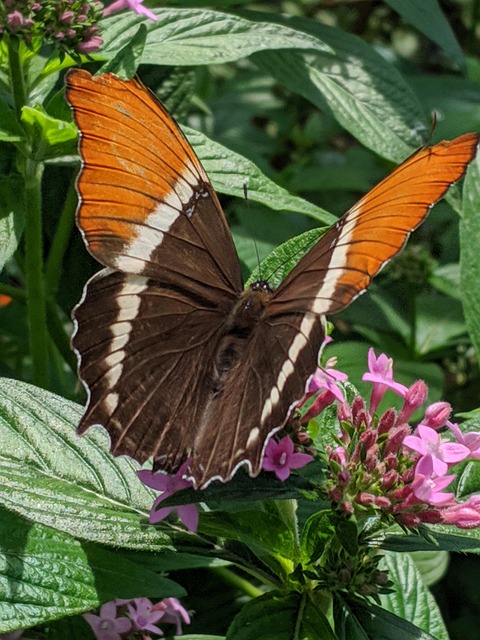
<point x="11" y="216"/>
<point x="46" y="575"/>
<point x="411" y="599"/>
<point x="469" y="243"/>
<point x="201" y="36"/>
<point x="280" y="616"/>
<point x="71" y="483"/>
<point x="231" y="173"/>
<point x="366" y="94"/>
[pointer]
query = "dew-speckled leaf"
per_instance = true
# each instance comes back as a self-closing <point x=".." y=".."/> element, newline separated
<point x="70" y="483"/>
<point x="46" y="575"/>
<point x="201" y="36"/>
<point x="411" y="599"/>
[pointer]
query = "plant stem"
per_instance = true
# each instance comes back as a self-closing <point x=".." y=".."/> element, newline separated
<point x="36" y="303"/>
<point x="14" y="292"/>
<point x="16" y="76"/>
<point x="239" y="582"/>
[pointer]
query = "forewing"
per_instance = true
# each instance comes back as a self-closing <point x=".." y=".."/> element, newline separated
<point x="146" y="204"/>
<point x="145" y="355"/>
<point x="341" y="265"/>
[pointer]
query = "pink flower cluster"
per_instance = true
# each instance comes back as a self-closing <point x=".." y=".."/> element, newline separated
<point x="122" y="619"/>
<point x="71" y="24"/>
<point x="379" y="464"/>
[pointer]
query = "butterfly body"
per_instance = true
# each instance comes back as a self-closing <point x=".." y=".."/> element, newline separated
<point x="179" y="362"/>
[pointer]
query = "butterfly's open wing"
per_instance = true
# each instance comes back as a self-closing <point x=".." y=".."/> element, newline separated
<point x="341" y="265"/>
<point x="146" y="331"/>
<point x="147" y="207"/>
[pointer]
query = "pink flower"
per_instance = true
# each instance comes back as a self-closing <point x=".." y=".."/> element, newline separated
<point x="174" y="613"/>
<point x="437" y="414"/>
<point x="428" y="442"/>
<point x="464" y="516"/>
<point x="144" y="615"/>
<point x="168" y="485"/>
<point x="414" y="397"/>
<point x="107" y="626"/>
<point x="326" y="379"/>
<point x="380" y="372"/>
<point x="281" y="459"/>
<point x="90" y="46"/>
<point x="470" y="440"/>
<point x="134" y="5"/>
<point x="427" y="488"/>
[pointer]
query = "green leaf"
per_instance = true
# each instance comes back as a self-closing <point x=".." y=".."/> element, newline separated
<point x="200" y="36"/>
<point x="446" y="279"/>
<point x="11" y="216"/>
<point x="316" y="534"/>
<point x="439" y="323"/>
<point x="264" y="533"/>
<point x="281" y="261"/>
<point x="411" y="599"/>
<point x="10" y="129"/>
<point x="280" y="616"/>
<point x="71" y="483"/>
<point x="469" y="243"/>
<point x="52" y="137"/>
<point x="427" y="17"/>
<point x="366" y="94"/>
<point x="46" y="575"/>
<point x="230" y="172"/>
<point x="432" y="565"/>
<point x="197" y="636"/>
<point x="126" y="61"/>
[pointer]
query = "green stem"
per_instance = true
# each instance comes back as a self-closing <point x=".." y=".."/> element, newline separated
<point x="36" y="303"/>
<point x="32" y="174"/>
<point x="13" y="292"/>
<point x="239" y="582"/>
<point x="59" y="336"/>
<point x="63" y="232"/>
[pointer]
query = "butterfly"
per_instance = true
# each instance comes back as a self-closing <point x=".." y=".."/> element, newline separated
<point x="178" y="360"/>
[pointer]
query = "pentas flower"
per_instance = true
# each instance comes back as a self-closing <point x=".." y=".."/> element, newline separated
<point x="168" y="485"/>
<point x="173" y="613"/>
<point x="134" y="5"/>
<point x="382" y="467"/>
<point x="281" y="458"/>
<point x="106" y="626"/>
<point x="69" y="24"/>
<point x="144" y="616"/>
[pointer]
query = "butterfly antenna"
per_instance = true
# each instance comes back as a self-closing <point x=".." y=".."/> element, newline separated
<point x="245" y="195"/>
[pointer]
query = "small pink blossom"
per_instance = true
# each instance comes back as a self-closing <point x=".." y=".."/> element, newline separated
<point x="427" y="488"/>
<point x="90" y="46"/>
<point x="326" y="379"/>
<point x="173" y="613"/>
<point x="470" y="439"/>
<point x="168" y="485"/>
<point x="144" y="615"/>
<point x="437" y="414"/>
<point x="414" y="397"/>
<point x="134" y="5"/>
<point x="443" y="454"/>
<point x="281" y="458"/>
<point x="380" y="372"/>
<point x="106" y="626"/>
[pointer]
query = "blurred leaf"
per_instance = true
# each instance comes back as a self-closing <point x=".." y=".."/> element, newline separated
<point x="71" y="483"/>
<point x="230" y="172"/>
<point x="52" y="137"/>
<point x="432" y="565"/>
<point x="10" y="129"/>
<point x="366" y="94"/>
<point x="446" y="279"/>
<point x="411" y="600"/>
<point x="439" y="323"/>
<point x="428" y="17"/>
<point x="469" y="260"/>
<point x="126" y="61"/>
<point x="11" y="216"/>
<point x="46" y="575"/>
<point x="201" y="36"/>
<point x="279" y="615"/>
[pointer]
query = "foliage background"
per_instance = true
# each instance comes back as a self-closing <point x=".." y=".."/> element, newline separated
<point x="324" y="98"/>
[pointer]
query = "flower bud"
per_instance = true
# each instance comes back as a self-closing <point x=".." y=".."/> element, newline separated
<point x="387" y="421"/>
<point x="437" y="414"/>
<point x="415" y="396"/>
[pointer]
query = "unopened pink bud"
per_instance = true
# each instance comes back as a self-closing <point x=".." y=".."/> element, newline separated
<point x="335" y="494"/>
<point x="389" y="479"/>
<point x="391" y="460"/>
<point x="365" y="499"/>
<point x="395" y="438"/>
<point x="437" y="414"/>
<point x="347" y="507"/>
<point x="344" y="478"/>
<point x="387" y="421"/>
<point x="431" y="516"/>
<point x="344" y="412"/>
<point x="409" y="519"/>
<point x="15" y="20"/>
<point x="368" y="438"/>
<point x="415" y="396"/>
<point x="67" y="17"/>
